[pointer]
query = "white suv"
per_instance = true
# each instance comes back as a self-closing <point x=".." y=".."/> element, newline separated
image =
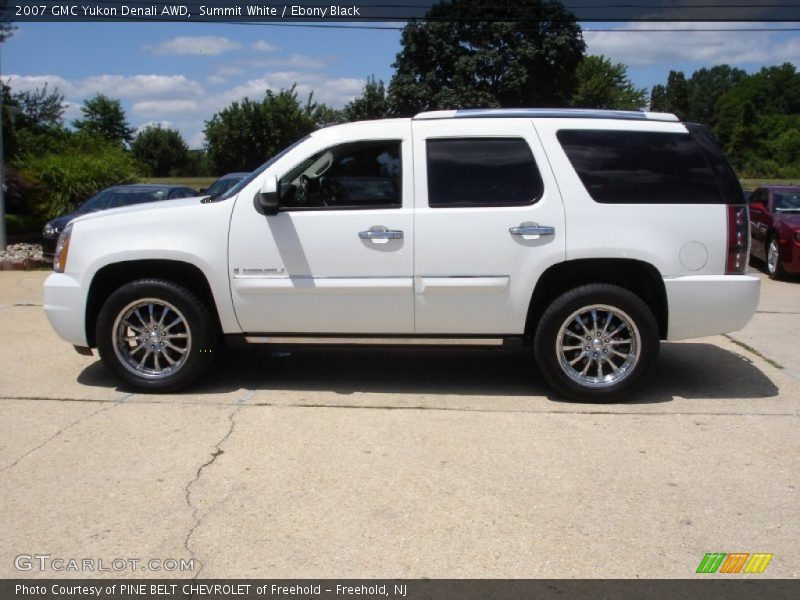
<point x="590" y="235"/>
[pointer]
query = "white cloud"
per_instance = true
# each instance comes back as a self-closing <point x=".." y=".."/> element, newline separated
<point x="22" y="83"/>
<point x="165" y="107"/>
<point x="197" y="140"/>
<point x="262" y="46"/>
<point x="140" y="86"/>
<point x="208" y="45"/>
<point x="294" y="61"/>
<point x="334" y="91"/>
<point x="638" y="48"/>
<point x="162" y="124"/>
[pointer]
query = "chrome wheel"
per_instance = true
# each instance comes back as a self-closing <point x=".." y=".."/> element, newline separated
<point x="151" y="338"/>
<point x="772" y="256"/>
<point x="598" y="346"/>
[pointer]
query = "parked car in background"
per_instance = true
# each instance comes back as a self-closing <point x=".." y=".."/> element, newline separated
<point x="775" y="228"/>
<point x="113" y="197"/>
<point x="223" y="184"/>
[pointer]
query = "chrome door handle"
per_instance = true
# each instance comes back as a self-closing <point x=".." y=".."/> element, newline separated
<point x="526" y="229"/>
<point x="380" y="234"/>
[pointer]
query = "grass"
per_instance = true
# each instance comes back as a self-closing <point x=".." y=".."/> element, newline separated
<point x="192" y="182"/>
<point x="750" y="184"/>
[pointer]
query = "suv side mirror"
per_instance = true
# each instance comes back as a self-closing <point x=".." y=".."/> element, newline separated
<point x="269" y="198"/>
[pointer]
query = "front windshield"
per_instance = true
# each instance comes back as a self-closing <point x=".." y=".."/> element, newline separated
<point x="243" y="183"/>
<point x="787" y="201"/>
<point x="97" y="202"/>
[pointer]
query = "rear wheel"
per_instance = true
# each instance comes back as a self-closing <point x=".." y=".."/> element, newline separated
<point x="596" y="342"/>
<point x="774" y="264"/>
<point x="156" y="336"/>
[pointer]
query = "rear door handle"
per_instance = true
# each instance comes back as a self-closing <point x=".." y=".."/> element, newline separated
<point x="531" y="231"/>
<point x="380" y="234"/>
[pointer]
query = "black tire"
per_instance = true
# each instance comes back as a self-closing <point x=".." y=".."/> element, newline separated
<point x="778" y="273"/>
<point x="633" y="372"/>
<point x="198" y="326"/>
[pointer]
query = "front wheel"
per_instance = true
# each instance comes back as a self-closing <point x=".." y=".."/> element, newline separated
<point x="156" y="336"/>
<point x="774" y="264"/>
<point x="596" y="342"/>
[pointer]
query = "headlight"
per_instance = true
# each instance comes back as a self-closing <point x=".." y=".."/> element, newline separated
<point x="49" y="231"/>
<point x="62" y="249"/>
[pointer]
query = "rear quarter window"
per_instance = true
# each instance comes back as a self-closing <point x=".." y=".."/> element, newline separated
<point x="641" y="167"/>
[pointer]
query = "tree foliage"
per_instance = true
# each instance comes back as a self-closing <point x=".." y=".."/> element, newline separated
<point x="86" y="165"/>
<point x="161" y="151"/>
<point x="606" y="85"/>
<point x="246" y="133"/>
<point x="105" y="117"/>
<point x="371" y="104"/>
<point x="526" y="55"/>
<point x="756" y="118"/>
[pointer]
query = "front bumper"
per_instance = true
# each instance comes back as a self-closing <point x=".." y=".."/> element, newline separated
<point x="65" y="307"/>
<point x="701" y="305"/>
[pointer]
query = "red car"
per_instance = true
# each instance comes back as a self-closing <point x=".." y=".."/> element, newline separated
<point x="775" y="228"/>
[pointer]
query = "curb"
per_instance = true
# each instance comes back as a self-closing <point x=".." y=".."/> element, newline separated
<point x="26" y="264"/>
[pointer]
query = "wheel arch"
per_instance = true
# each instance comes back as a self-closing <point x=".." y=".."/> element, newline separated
<point x="641" y="278"/>
<point x="112" y="276"/>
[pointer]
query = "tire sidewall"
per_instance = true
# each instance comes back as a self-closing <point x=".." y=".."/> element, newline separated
<point x="204" y="334"/>
<point x="575" y="299"/>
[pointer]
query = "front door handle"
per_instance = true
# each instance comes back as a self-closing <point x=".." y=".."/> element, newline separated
<point x="380" y="234"/>
<point x="531" y="231"/>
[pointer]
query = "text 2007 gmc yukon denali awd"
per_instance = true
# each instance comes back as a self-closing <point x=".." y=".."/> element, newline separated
<point x="591" y="234"/>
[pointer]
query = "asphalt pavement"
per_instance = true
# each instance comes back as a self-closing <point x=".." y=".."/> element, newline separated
<point x="398" y="462"/>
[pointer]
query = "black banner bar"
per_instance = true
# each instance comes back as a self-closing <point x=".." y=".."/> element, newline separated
<point x="386" y="10"/>
<point x="715" y="587"/>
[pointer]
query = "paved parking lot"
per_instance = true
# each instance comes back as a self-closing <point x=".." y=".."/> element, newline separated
<point x="401" y="462"/>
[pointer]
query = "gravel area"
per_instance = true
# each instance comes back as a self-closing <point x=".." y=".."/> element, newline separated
<point x="23" y="256"/>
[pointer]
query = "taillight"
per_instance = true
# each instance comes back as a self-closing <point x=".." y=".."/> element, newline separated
<point x="738" y="240"/>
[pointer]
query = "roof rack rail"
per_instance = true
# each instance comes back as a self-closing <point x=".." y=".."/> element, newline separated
<point x="546" y="113"/>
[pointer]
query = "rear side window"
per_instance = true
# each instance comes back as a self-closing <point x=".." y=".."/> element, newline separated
<point x="640" y="167"/>
<point x="481" y="172"/>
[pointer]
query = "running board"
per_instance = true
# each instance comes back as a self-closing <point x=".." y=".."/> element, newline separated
<point x="394" y="341"/>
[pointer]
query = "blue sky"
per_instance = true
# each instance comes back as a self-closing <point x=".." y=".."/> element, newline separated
<point x="179" y="74"/>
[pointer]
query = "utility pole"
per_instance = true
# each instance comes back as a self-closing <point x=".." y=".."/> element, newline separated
<point x="3" y="241"/>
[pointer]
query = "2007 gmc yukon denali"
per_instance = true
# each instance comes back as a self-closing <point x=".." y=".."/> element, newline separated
<point x="592" y="235"/>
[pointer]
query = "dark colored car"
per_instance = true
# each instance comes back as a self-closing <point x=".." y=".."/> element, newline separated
<point x="775" y="228"/>
<point x="113" y="197"/>
<point x="223" y="184"/>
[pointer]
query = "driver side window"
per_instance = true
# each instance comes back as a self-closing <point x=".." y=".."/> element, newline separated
<point x="356" y="175"/>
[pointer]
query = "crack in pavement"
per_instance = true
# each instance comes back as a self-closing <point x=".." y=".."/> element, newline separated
<point x="62" y="430"/>
<point x="212" y="459"/>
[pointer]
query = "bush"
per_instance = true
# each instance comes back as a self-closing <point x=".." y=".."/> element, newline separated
<point x="22" y="224"/>
<point x="73" y="176"/>
<point x="19" y="192"/>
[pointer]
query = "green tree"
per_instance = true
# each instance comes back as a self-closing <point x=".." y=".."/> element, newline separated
<point x="104" y="116"/>
<point x="470" y="54"/>
<point x="603" y="84"/>
<point x="246" y="133"/>
<point x="161" y="151"/>
<point x="371" y="104"/>
<point x="705" y="88"/>
<point x="36" y="110"/>
<point x="672" y="98"/>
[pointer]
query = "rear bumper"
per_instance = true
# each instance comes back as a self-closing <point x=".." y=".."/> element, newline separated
<point x="709" y="305"/>
<point x="65" y="307"/>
